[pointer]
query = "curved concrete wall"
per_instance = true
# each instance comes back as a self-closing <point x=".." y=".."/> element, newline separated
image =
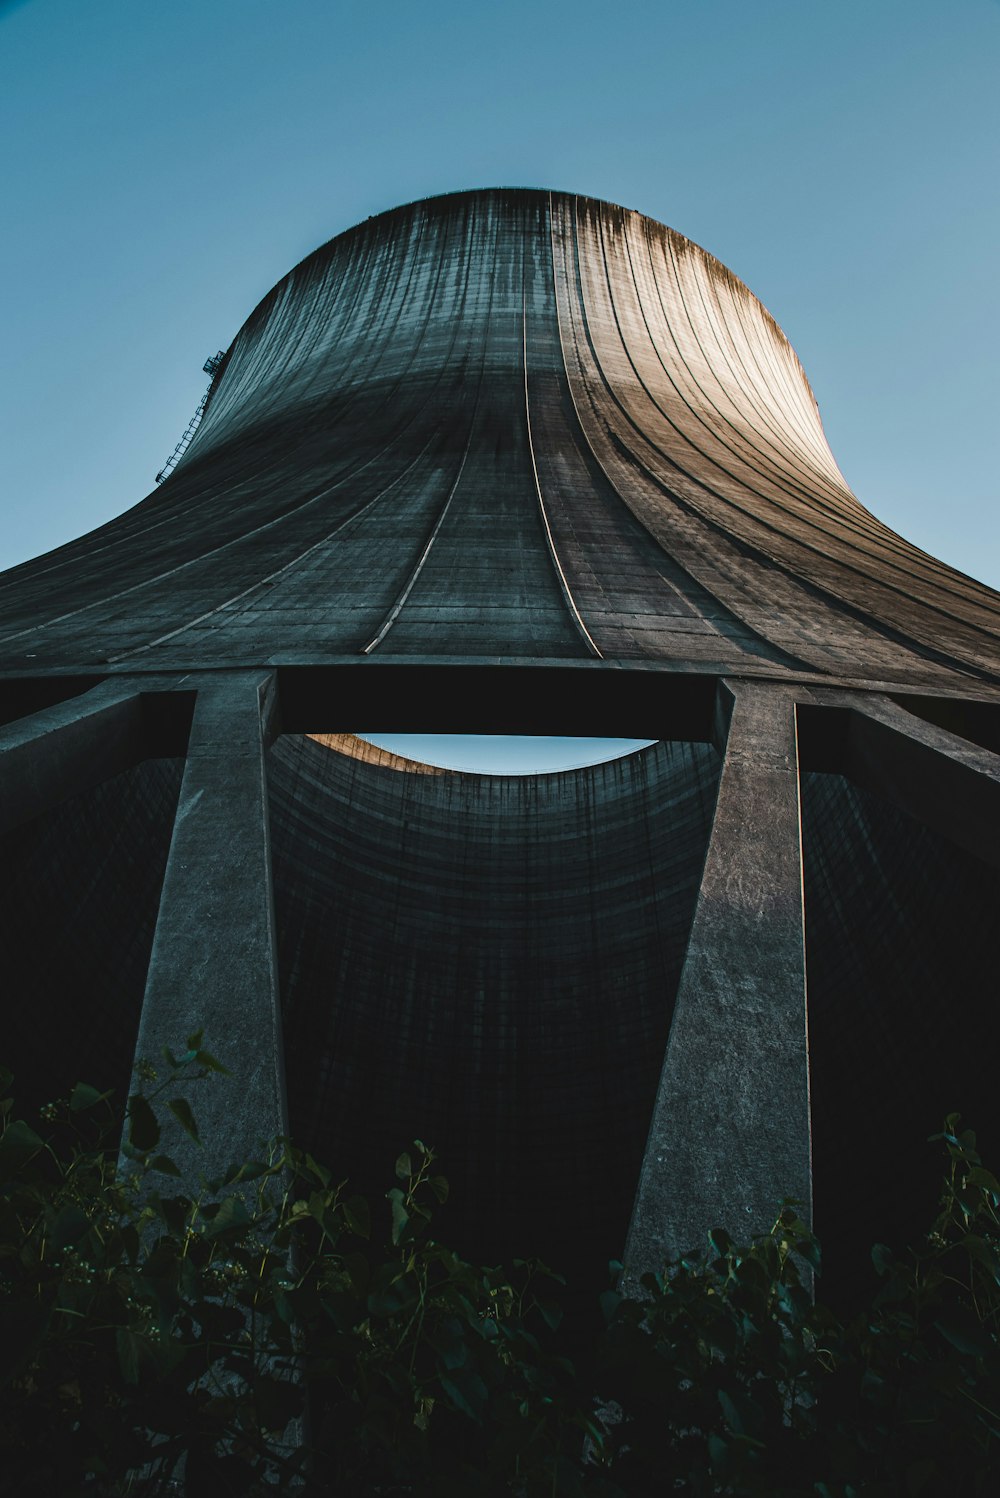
<point x="507" y="423"/>
<point x="488" y="963"/>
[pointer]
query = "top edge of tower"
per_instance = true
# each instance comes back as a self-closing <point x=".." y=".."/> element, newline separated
<point x="448" y="200"/>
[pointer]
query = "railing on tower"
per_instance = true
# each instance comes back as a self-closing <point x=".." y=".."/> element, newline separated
<point x="211" y="366"/>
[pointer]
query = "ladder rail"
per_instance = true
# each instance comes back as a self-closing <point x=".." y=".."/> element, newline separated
<point x="211" y="367"/>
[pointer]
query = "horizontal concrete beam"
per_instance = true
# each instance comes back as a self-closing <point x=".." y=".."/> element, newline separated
<point x="498" y="697"/>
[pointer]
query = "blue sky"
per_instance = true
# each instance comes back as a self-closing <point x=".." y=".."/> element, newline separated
<point x="164" y="165"/>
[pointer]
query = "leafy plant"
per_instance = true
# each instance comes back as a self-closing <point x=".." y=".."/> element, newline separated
<point x="161" y="1330"/>
<point x="729" y="1378"/>
<point x="157" y="1335"/>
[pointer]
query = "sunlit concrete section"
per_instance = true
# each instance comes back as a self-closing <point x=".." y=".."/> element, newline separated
<point x="506" y="423"/>
<point x="514" y="461"/>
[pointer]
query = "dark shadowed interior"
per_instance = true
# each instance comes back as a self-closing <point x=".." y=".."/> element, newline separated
<point x="904" y="1026"/>
<point x="79" y="893"/>
<point x="488" y="963"/>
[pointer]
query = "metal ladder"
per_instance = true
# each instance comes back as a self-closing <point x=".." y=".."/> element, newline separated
<point x="211" y="367"/>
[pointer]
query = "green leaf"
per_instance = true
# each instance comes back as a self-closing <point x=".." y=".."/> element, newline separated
<point x="128" y="1354"/>
<point x="730" y="1413"/>
<point x="882" y="1258"/>
<point x="404" y="1167"/>
<point x="164" y="1165"/>
<point x="17" y="1145"/>
<point x="400" y="1216"/>
<point x="610" y="1301"/>
<point x="143" y="1128"/>
<point x="466" y="1391"/>
<point x="718" y="1451"/>
<point x="84" y="1096"/>
<point x="232" y="1213"/>
<point x="181" y="1109"/>
<point x="720" y="1241"/>
<point x="450" y="1345"/>
<point x="211" y="1063"/>
<point x="965" y="1332"/>
<point x="319" y="1171"/>
<point x="358" y="1217"/>
<point x="808" y="1247"/>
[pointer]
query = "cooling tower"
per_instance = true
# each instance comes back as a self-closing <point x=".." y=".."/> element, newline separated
<point x="516" y="461"/>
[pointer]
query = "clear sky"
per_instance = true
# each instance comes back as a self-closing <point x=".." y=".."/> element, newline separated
<point x="164" y="164"/>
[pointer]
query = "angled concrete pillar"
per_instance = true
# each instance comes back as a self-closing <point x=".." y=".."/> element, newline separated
<point x="213" y="963"/>
<point x="730" y="1129"/>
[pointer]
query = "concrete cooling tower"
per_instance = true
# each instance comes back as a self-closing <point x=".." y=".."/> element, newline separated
<point x="517" y="461"/>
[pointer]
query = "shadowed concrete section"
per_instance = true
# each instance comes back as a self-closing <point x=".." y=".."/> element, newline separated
<point x="66" y="749"/>
<point x="730" y="1130"/>
<point x="488" y="963"/>
<point x="71" y="746"/>
<point x="942" y="780"/>
<point x="213" y="961"/>
<point x="79" y="892"/>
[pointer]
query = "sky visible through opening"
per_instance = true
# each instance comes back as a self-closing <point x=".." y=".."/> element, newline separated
<point x="504" y="754"/>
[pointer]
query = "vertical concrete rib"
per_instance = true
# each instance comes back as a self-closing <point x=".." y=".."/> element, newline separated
<point x="570" y="601"/>
<point x="213" y="963"/>
<point x="730" y="1129"/>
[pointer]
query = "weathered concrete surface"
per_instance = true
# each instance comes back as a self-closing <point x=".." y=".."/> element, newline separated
<point x="511" y="461"/>
<point x="213" y="963"/>
<point x="487" y="962"/>
<point x="730" y="1130"/>
<point x="507" y="424"/>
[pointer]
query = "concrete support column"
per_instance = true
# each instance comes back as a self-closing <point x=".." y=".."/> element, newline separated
<point x="213" y="964"/>
<point x="730" y="1129"/>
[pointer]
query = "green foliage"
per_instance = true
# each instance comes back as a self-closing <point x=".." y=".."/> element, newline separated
<point x="153" y="1332"/>
<point x="148" y="1331"/>
<point x="728" y="1378"/>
